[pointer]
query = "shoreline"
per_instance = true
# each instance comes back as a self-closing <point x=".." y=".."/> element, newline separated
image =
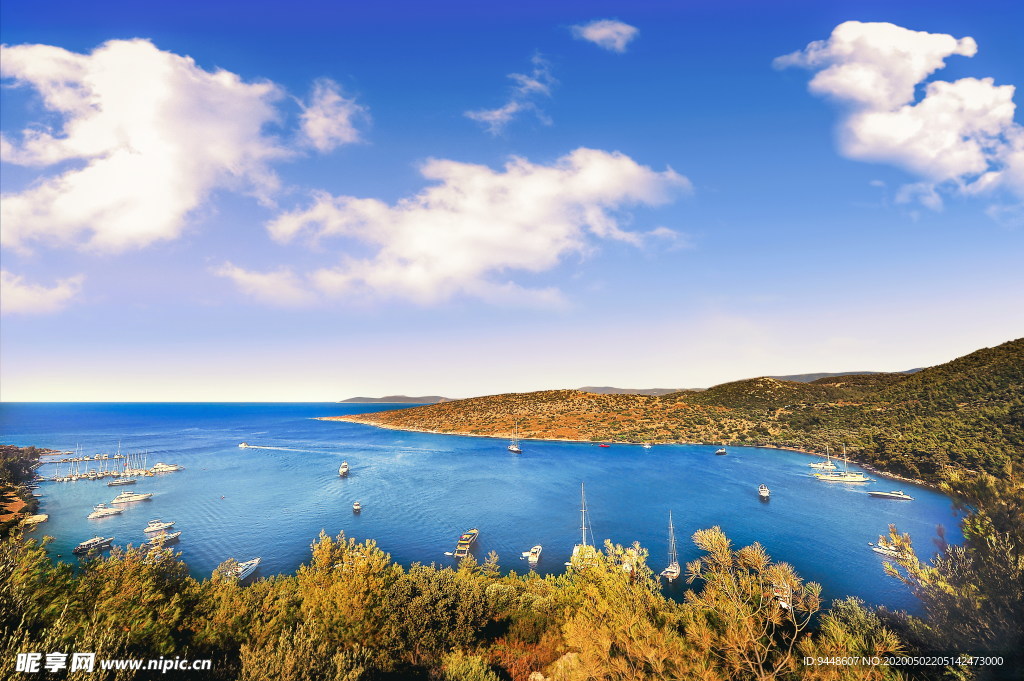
<point x="409" y="429"/>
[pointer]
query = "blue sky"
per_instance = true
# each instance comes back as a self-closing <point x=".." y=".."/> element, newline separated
<point x="309" y="201"/>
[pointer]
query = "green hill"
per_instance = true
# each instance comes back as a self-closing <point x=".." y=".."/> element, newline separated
<point x="965" y="414"/>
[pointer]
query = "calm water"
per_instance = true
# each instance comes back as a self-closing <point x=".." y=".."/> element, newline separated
<point x="420" y="491"/>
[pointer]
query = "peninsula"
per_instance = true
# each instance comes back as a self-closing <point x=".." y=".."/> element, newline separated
<point x="966" y="414"/>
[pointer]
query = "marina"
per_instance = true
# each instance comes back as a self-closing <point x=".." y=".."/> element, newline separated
<point x="416" y="489"/>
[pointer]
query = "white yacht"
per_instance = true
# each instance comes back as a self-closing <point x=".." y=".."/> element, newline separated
<point x="160" y="467"/>
<point x="721" y="451"/>
<point x="247" y="568"/>
<point x="673" y="570"/>
<point x="102" y="511"/>
<point x="895" y="494"/>
<point x="126" y="497"/>
<point x="158" y="540"/>
<point x="886" y="551"/>
<point x="513" y="444"/>
<point x="121" y="481"/>
<point x="844" y="476"/>
<point x="94" y="544"/>
<point x="157" y="525"/>
<point x="533" y="555"/>
<point x="763" y="491"/>
<point x="343" y="469"/>
<point x="825" y="465"/>
<point x="356" y="507"/>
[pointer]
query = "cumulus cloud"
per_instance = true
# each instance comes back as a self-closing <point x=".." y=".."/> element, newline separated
<point x="607" y="33"/>
<point x="281" y="287"/>
<point x="959" y="134"/>
<point x="18" y="296"/>
<point x="329" y="120"/>
<point x="473" y="227"/>
<point x="522" y="98"/>
<point x="145" y="136"/>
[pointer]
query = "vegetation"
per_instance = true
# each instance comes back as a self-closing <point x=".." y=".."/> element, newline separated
<point x="16" y="469"/>
<point x="967" y="414"/>
<point x="351" y="614"/>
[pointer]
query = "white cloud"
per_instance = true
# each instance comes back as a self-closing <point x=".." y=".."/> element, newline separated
<point x="527" y="88"/>
<point x="466" y="233"/>
<point x="329" y="120"/>
<point x="17" y="296"/>
<point x="281" y="287"/>
<point x="149" y="134"/>
<point x="959" y="135"/>
<point x="607" y="33"/>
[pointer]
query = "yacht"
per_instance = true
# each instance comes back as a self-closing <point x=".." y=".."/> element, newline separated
<point x="533" y="555"/>
<point x="245" y="569"/>
<point x="356" y="507"/>
<point x="583" y="553"/>
<point x="343" y="469"/>
<point x="895" y="494"/>
<point x="158" y="525"/>
<point x="126" y="497"/>
<point x="102" y="511"/>
<point x="825" y="465"/>
<point x="465" y="541"/>
<point x="886" y="551"/>
<point x="844" y="476"/>
<point x="160" y="467"/>
<point x="673" y="570"/>
<point x="513" y="444"/>
<point x="159" y="540"/>
<point x="721" y="451"/>
<point x="763" y="491"/>
<point x="121" y="481"/>
<point x="94" y="544"/>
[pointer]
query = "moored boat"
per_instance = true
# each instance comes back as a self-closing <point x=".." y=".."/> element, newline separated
<point x="247" y="568"/>
<point x="121" y="481"/>
<point x="466" y="541"/>
<point x="895" y="494"/>
<point x="357" y="507"/>
<point x="533" y="555"/>
<point x="886" y="551"/>
<point x="583" y="554"/>
<point x="127" y="497"/>
<point x="157" y="525"/>
<point x="102" y="511"/>
<point x="162" y="538"/>
<point x="825" y="465"/>
<point x="160" y="467"/>
<point x="842" y="476"/>
<point x="673" y="570"/>
<point x="513" y="443"/>
<point x="95" y="544"/>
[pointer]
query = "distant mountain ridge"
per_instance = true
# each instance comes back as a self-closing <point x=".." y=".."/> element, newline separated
<point x="608" y="390"/>
<point x="966" y="414"/>
<point x="399" y="399"/>
<point x="810" y="378"/>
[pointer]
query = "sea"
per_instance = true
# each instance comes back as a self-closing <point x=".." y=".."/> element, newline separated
<point x="420" y="491"/>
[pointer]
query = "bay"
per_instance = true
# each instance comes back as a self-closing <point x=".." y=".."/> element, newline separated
<point x="419" y="491"/>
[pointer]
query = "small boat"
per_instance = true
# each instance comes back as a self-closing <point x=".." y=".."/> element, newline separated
<point x="763" y="491"/>
<point x="356" y="507"/>
<point x="721" y="451"/>
<point x="604" y="445"/>
<point x="825" y="465"/>
<point x="127" y="497"/>
<point x="121" y="481"/>
<point x="886" y="551"/>
<point x="343" y="469"/>
<point x="247" y="568"/>
<point x="158" y="525"/>
<point x="646" y="445"/>
<point x="533" y="555"/>
<point x="102" y="511"/>
<point x="513" y="444"/>
<point x="243" y="445"/>
<point x="94" y="544"/>
<point x="465" y="541"/>
<point x="673" y="570"/>
<point x="895" y="494"/>
<point x="162" y="538"/>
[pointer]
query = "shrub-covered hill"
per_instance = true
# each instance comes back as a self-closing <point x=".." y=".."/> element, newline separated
<point x="967" y="413"/>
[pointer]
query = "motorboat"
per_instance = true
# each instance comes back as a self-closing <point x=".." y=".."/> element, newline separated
<point x="243" y="445"/>
<point x="356" y="507"/>
<point x="127" y="497"/>
<point x="157" y="525"/>
<point x="721" y="451"/>
<point x="466" y="541"/>
<point x="121" y="481"/>
<point x="162" y="538"/>
<point x="245" y="569"/>
<point x="895" y="494"/>
<point x="94" y="544"/>
<point x="533" y="555"/>
<point x="886" y="551"/>
<point x="160" y="467"/>
<point x="646" y="445"/>
<point x="763" y="491"/>
<point x="343" y="469"/>
<point x="102" y="511"/>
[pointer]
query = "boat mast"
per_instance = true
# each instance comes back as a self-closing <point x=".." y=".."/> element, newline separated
<point x="673" y="557"/>
<point x="583" y="515"/>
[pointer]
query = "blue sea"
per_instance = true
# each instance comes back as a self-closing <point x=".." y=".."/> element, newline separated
<point x="419" y="491"/>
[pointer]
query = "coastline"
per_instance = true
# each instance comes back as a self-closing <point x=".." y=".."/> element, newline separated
<point x="410" y="429"/>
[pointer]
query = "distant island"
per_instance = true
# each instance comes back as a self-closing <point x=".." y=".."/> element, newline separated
<point x="966" y="414"/>
<point x="398" y="399"/>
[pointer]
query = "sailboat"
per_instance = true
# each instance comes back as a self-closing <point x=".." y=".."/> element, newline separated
<point x="513" y="444"/>
<point x="845" y="476"/>
<point x="584" y="552"/>
<point x="673" y="570"/>
<point x="825" y="465"/>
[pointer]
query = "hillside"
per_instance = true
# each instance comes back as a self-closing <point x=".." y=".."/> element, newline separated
<point x="967" y="413"/>
<point x="397" y="399"/>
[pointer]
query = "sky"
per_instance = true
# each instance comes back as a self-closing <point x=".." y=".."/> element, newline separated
<point x="310" y="201"/>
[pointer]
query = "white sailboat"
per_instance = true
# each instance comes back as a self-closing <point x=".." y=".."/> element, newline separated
<point x="513" y="444"/>
<point x="845" y="475"/>
<point x="584" y="552"/>
<point x="672" y="571"/>
<point x="825" y="465"/>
